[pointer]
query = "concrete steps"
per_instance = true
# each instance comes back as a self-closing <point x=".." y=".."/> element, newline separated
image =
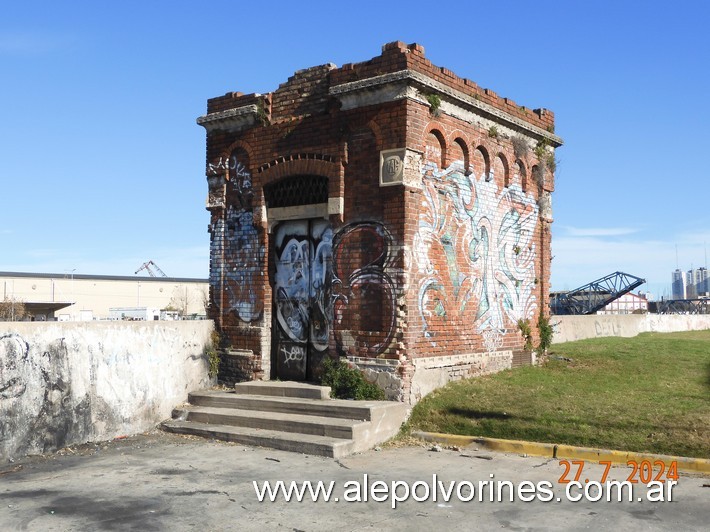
<point x="273" y="439"/>
<point x="289" y="416"/>
<point x="283" y="389"/>
<point x="279" y="421"/>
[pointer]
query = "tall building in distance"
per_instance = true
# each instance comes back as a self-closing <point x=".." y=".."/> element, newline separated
<point x="693" y="284"/>
<point x="678" y="286"/>
<point x="697" y="282"/>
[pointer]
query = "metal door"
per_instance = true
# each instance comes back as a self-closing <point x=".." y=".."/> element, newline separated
<point x="302" y="297"/>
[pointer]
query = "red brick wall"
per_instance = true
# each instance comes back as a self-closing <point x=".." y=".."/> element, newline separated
<point x="445" y="265"/>
<point x="478" y="244"/>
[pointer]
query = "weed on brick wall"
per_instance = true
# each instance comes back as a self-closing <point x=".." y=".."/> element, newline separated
<point x="545" y="330"/>
<point x="526" y="331"/>
<point x="212" y="354"/>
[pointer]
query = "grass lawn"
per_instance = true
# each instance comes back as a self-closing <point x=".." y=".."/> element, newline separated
<point x="648" y="393"/>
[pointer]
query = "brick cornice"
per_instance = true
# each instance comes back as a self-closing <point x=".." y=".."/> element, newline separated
<point x="231" y="120"/>
<point x="414" y="85"/>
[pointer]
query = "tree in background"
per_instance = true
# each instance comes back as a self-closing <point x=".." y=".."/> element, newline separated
<point x="180" y="301"/>
<point x="12" y="309"/>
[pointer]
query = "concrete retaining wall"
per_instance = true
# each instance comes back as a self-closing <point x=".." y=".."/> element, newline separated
<point x="570" y="328"/>
<point x="69" y="383"/>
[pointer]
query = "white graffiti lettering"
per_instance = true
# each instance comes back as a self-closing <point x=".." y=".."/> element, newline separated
<point x="295" y="354"/>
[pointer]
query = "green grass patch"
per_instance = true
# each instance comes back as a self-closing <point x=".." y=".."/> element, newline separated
<point x="650" y="393"/>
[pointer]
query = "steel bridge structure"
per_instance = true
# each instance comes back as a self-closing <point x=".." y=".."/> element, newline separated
<point x="594" y="296"/>
<point x="680" y="306"/>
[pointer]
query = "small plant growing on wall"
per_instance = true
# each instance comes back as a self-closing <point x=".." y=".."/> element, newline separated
<point x="434" y="104"/>
<point x="493" y="132"/>
<point x="540" y="150"/>
<point x="212" y="354"/>
<point x="520" y="147"/>
<point x="261" y="115"/>
<point x="546" y="157"/>
<point x="544" y="328"/>
<point x="526" y="331"/>
<point x="551" y="162"/>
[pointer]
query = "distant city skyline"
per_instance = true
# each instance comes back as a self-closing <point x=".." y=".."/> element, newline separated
<point x="690" y="284"/>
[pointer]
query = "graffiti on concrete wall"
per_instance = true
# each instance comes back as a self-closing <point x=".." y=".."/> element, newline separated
<point x="236" y="251"/>
<point x="75" y="382"/>
<point x="36" y="411"/>
<point x="475" y="254"/>
<point x="13" y="356"/>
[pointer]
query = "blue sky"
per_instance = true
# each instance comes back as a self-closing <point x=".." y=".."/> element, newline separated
<point x="102" y="164"/>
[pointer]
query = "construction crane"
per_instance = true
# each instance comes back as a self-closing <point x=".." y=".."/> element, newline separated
<point x="147" y="266"/>
<point x="594" y="296"/>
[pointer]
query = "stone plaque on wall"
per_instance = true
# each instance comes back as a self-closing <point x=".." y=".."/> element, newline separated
<point x="392" y="167"/>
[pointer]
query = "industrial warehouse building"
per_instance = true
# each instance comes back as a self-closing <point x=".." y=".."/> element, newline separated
<point x="68" y="297"/>
<point x="389" y="212"/>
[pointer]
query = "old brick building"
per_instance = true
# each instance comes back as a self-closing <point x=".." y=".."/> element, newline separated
<point x="387" y="211"/>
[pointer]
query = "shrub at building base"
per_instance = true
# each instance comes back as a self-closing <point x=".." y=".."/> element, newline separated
<point x="348" y="383"/>
<point x="545" y="329"/>
<point x="212" y="353"/>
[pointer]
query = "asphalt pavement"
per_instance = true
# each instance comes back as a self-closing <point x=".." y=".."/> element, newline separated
<point x="160" y="481"/>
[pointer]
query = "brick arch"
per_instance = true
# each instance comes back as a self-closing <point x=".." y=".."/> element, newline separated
<point x="481" y="162"/>
<point x="377" y="133"/>
<point x="459" y="150"/>
<point x="435" y="147"/>
<point x="520" y="174"/>
<point x="240" y="145"/>
<point x="220" y="166"/>
<point x="299" y="164"/>
<point x="500" y="169"/>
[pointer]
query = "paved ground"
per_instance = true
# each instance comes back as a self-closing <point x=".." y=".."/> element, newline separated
<point x="161" y="481"/>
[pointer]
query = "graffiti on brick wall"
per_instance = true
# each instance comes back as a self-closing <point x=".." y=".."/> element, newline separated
<point x="321" y="285"/>
<point x="236" y="251"/>
<point x="234" y="167"/>
<point x="321" y="277"/>
<point x="364" y="286"/>
<point x="475" y="254"/>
